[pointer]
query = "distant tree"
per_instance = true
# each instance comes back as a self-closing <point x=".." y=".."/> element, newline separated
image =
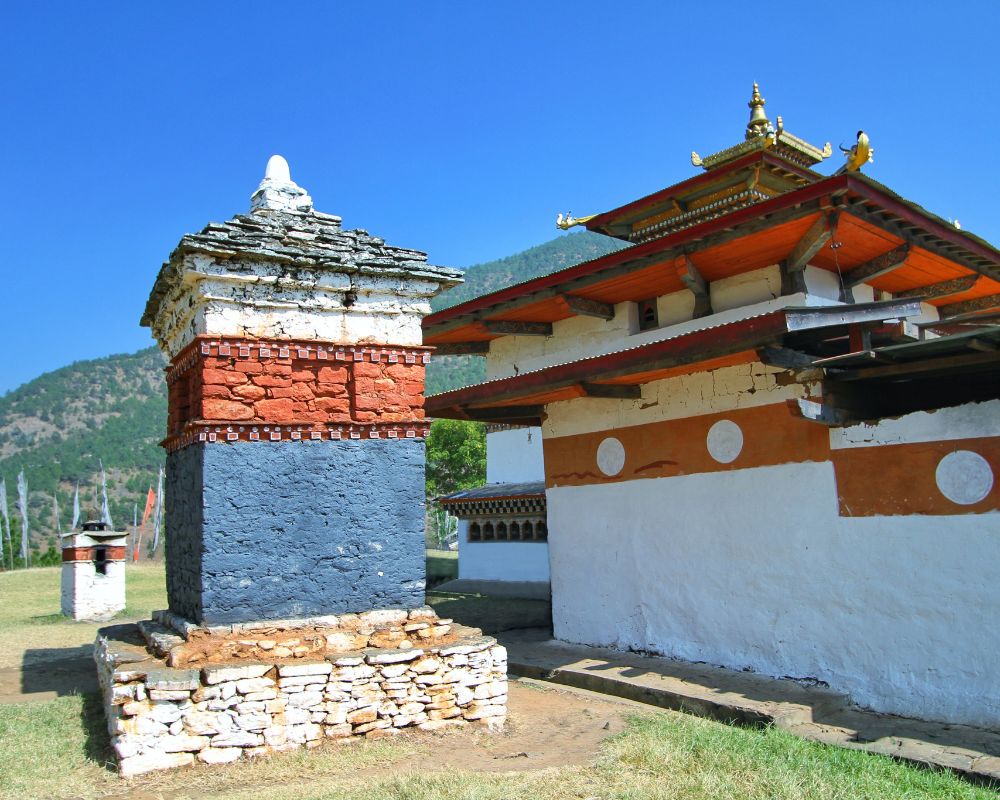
<point x="456" y="456"/>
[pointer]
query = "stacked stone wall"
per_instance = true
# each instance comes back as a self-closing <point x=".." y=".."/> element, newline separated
<point x="161" y="717"/>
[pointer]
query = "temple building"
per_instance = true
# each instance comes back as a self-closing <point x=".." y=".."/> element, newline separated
<point x="503" y="526"/>
<point x="771" y="427"/>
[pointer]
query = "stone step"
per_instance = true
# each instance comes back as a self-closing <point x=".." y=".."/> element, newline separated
<point x="702" y="689"/>
<point x="811" y="712"/>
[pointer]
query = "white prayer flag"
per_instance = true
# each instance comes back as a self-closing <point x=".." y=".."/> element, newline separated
<point x="76" y="509"/>
<point x="55" y="516"/>
<point x="6" y="521"/>
<point x="157" y="513"/>
<point x="22" y="506"/>
<point x="105" y="511"/>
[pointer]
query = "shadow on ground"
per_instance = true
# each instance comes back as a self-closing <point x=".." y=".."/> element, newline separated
<point x="56" y="672"/>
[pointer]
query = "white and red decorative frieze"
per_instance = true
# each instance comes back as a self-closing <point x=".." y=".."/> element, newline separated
<point x="234" y="389"/>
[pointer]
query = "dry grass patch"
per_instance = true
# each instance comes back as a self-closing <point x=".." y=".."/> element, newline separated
<point x="30" y="617"/>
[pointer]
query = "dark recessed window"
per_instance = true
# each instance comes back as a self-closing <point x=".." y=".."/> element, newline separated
<point x="648" y="318"/>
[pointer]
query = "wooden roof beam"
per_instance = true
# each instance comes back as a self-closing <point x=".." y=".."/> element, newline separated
<point x="505" y="327"/>
<point x="586" y="307"/>
<point x="692" y="278"/>
<point x="462" y="349"/>
<point x="793" y="267"/>
<point x="941" y="289"/>
<point x="608" y="390"/>
<point x="875" y="267"/>
<point x="503" y="412"/>
<point x="986" y="303"/>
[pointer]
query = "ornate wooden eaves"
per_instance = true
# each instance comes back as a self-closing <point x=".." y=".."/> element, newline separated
<point x="941" y="289"/>
<point x="987" y="303"/>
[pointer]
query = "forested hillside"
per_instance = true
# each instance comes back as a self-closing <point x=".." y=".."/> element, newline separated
<point x="59" y="426"/>
<point x="453" y="372"/>
<point x="561" y="252"/>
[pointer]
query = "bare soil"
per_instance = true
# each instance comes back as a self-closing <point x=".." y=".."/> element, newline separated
<point x="546" y="727"/>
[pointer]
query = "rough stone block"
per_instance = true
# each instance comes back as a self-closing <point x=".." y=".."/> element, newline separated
<point x="148" y="762"/>
<point x="219" y="755"/>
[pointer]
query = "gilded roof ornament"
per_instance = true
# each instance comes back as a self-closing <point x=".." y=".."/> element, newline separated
<point x="759" y="125"/>
<point x="762" y="135"/>
<point x="859" y="155"/>
<point x="564" y="223"/>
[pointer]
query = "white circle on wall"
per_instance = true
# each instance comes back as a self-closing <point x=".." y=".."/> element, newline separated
<point x="611" y="456"/>
<point x="964" y="477"/>
<point x="725" y="441"/>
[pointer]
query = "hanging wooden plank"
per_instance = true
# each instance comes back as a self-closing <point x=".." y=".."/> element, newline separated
<point x="585" y="307"/>
<point x="785" y="357"/>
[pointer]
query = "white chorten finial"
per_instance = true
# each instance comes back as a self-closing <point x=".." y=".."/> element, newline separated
<point x="277" y="170"/>
<point x="278" y="192"/>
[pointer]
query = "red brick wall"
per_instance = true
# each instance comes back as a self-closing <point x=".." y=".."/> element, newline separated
<point x="90" y="553"/>
<point x="294" y="383"/>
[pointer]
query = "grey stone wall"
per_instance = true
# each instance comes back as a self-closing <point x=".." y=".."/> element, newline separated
<point x="292" y="529"/>
<point x="184" y="530"/>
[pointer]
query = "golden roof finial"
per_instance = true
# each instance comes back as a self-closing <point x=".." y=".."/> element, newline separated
<point x="759" y="125"/>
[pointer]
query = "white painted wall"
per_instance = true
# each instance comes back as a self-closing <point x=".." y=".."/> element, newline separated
<point x="501" y="561"/>
<point x="514" y="456"/>
<point x="725" y="389"/>
<point x="88" y="595"/>
<point x="269" y="300"/>
<point x="967" y="421"/>
<point x="755" y="569"/>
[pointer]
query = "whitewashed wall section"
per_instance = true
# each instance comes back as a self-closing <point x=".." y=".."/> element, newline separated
<point x="760" y="568"/>
<point x="514" y="456"/>
<point x="501" y="561"/>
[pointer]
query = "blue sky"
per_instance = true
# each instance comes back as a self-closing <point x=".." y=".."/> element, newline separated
<point x="459" y="129"/>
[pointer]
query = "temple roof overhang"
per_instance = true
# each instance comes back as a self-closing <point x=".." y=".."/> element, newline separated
<point x="496" y="491"/>
<point x="772" y="336"/>
<point x="882" y="239"/>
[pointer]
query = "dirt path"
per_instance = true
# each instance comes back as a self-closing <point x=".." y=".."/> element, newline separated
<point x="547" y="727"/>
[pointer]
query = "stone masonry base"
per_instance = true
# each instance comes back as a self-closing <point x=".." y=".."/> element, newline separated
<point x="249" y="701"/>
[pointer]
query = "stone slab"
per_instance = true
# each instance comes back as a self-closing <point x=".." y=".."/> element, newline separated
<point x="811" y="712"/>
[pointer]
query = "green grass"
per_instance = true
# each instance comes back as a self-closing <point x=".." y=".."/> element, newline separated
<point x="442" y="565"/>
<point x="659" y="755"/>
<point x="29" y="609"/>
<point x="59" y="748"/>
